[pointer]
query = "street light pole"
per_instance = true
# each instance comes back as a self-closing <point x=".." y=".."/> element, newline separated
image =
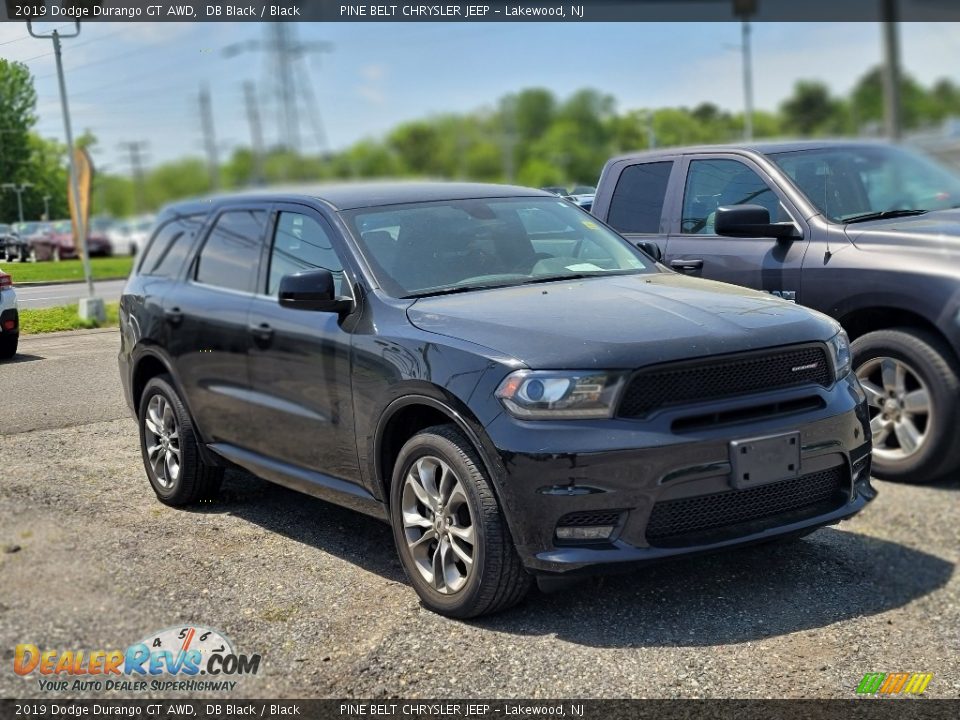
<point x="94" y="306"/>
<point x="18" y="189"/>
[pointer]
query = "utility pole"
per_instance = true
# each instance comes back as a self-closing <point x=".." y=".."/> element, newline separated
<point x="744" y="9"/>
<point x="508" y="111"/>
<point x="747" y="80"/>
<point x="284" y="50"/>
<point x="91" y="307"/>
<point x="136" y="164"/>
<point x="256" y="131"/>
<point x="209" y="138"/>
<point x="892" y="112"/>
<point x="18" y="189"/>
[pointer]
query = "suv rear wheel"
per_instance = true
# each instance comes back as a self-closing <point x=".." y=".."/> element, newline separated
<point x="450" y="533"/>
<point x="168" y="443"/>
<point x="913" y="395"/>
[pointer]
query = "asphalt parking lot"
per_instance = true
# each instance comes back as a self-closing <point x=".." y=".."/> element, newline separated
<point x="91" y="560"/>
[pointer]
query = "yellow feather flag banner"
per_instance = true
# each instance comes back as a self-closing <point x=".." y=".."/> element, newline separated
<point x="80" y="211"/>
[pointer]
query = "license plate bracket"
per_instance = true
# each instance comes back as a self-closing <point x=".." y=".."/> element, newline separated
<point x="764" y="460"/>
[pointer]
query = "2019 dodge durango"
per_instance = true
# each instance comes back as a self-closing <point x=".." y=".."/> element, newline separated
<point x="513" y="386"/>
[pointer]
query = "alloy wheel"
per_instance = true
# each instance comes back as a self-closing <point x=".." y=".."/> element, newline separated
<point x="901" y="407"/>
<point x="162" y="434"/>
<point x="438" y="525"/>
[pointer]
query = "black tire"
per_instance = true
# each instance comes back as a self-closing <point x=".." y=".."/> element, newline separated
<point x="195" y="480"/>
<point x="930" y="358"/>
<point x="497" y="579"/>
<point x="8" y="345"/>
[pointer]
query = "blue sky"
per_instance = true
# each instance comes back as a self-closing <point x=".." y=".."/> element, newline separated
<point x="140" y="81"/>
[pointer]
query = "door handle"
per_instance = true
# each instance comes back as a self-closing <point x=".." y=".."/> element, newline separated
<point x="262" y="332"/>
<point x="687" y="266"/>
<point x="173" y="315"/>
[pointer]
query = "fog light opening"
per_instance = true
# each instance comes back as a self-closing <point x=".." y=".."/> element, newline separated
<point x="587" y="532"/>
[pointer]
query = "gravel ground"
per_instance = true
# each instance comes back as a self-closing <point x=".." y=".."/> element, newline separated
<point x="92" y="560"/>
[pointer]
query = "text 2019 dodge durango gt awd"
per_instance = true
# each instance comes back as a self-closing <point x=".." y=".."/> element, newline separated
<point x="517" y="389"/>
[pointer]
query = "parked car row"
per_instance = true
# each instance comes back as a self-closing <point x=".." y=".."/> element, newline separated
<point x="40" y="241"/>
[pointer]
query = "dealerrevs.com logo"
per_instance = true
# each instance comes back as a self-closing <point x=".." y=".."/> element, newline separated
<point x="191" y="659"/>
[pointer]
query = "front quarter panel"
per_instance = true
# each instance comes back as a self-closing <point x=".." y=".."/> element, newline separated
<point x="392" y="359"/>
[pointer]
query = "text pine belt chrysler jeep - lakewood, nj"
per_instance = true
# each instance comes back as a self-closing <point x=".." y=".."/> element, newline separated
<point x="514" y="387"/>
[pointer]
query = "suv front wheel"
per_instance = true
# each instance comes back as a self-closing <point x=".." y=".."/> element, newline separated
<point x="450" y="533"/>
<point x="913" y="395"/>
<point x="168" y="443"/>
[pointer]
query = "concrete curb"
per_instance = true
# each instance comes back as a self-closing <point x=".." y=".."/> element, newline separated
<point x="61" y="333"/>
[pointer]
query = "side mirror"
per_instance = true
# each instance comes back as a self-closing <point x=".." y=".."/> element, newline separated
<point x="651" y="249"/>
<point x="312" y="290"/>
<point x="751" y="221"/>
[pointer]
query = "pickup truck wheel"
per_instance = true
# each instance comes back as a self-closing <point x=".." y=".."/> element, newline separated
<point x="169" y="446"/>
<point x="450" y="533"/>
<point x="913" y="395"/>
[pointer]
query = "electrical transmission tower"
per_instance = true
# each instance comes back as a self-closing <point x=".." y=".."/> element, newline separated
<point x="284" y="52"/>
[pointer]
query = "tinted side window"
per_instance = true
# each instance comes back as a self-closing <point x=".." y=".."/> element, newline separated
<point x="171" y="242"/>
<point x="713" y="183"/>
<point x="637" y="202"/>
<point x="231" y="256"/>
<point x="301" y="243"/>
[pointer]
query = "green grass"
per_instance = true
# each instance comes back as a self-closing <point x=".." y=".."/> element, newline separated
<point x="106" y="268"/>
<point x="64" y="317"/>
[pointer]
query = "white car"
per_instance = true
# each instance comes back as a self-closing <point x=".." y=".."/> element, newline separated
<point x="129" y="236"/>
<point x="9" y="318"/>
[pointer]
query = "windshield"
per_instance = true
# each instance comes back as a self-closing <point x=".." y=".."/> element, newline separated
<point x="460" y="245"/>
<point x="848" y="182"/>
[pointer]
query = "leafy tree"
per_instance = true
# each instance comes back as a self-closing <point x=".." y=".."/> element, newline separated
<point x="18" y="100"/>
<point x="811" y="110"/>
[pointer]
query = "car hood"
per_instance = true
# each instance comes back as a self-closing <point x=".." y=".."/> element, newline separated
<point x="937" y="230"/>
<point x="619" y="322"/>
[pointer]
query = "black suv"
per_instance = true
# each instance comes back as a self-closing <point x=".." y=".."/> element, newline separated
<point x="866" y="232"/>
<point x="512" y="385"/>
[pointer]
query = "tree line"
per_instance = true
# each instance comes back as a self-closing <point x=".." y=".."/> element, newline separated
<point x="531" y="137"/>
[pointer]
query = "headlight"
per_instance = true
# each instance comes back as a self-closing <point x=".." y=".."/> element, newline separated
<point x="840" y="351"/>
<point x="545" y="394"/>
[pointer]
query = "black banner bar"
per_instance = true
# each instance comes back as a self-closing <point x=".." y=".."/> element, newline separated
<point x="872" y="708"/>
<point x="479" y="11"/>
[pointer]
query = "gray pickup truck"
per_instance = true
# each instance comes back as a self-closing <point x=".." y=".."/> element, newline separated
<point x="868" y="233"/>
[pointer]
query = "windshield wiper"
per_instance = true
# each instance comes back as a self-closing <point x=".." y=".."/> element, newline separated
<point x="453" y="290"/>
<point x="554" y="278"/>
<point x="884" y="214"/>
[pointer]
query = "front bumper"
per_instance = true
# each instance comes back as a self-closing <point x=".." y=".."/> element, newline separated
<point x="549" y="470"/>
